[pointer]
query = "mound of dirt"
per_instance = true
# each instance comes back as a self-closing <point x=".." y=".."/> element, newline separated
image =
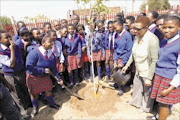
<point x="95" y="104"/>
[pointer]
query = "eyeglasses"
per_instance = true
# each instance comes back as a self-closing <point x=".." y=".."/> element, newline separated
<point x="138" y="29"/>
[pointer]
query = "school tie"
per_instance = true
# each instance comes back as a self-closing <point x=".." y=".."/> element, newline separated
<point x="111" y="43"/>
<point x="46" y="54"/>
<point x="71" y="37"/>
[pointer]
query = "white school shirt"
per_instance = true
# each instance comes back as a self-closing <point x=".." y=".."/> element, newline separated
<point x="114" y="33"/>
<point x="4" y="59"/>
<point x="57" y="50"/>
<point x="176" y="79"/>
<point x="43" y="51"/>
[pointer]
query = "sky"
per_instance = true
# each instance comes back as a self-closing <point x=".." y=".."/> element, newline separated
<point x="57" y="8"/>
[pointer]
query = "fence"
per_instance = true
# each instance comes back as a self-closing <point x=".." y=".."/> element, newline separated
<point x="13" y="28"/>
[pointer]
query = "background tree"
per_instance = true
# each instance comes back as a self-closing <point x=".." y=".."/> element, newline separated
<point x="155" y="5"/>
<point x="165" y="5"/>
<point x="5" y="21"/>
<point x="37" y="17"/>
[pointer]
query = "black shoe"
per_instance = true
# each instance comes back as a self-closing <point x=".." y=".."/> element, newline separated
<point x="120" y="93"/>
<point x="26" y="117"/>
<point x="114" y="86"/>
<point x="44" y="101"/>
<point x="70" y="86"/>
<point x="55" y="106"/>
<point x="34" y="111"/>
<point x="77" y="84"/>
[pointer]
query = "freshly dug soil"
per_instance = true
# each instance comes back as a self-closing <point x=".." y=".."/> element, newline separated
<point x="96" y="104"/>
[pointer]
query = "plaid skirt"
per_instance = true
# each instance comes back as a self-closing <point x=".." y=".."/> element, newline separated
<point x="97" y="56"/>
<point x="60" y="67"/>
<point x="38" y="84"/>
<point x="109" y="55"/>
<point x="84" y="57"/>
<point x="161" y="83"/>
<point x="73" y="62"/>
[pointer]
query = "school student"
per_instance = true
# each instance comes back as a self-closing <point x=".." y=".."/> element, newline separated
<point x="64" y="23"/>
<point x="39" y="64"/>
<point x="75" y="19"/>
<point x="36" y="40"/>
<point x="129" y="20"/>
<point x="97" y="47"/>
<point x="57" y="50"/>
<point x="47" y="27"/>
<point x="166" y="87"/>
<point x="73" y="45"/>
<point x="23" y="42"/>
<point x="109" y="47"/>
<point x="122" y="47"/>
<point x="80" y="29"/>
<point x="41" y="30"/>
<point x="20" y="25"/>
<point x="56" y="27"/>
<point x="14" y="73"/>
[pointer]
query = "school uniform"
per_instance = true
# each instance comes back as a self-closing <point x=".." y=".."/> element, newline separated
<point x="20" y="42"/>
<point x="122" y="47"/>
<point x="73" y="45"/>
<point x="97" y="50"/>
<point x="16" y="37"/>
<point x="109" y="45"/>
<point x="57" y="50"/>
<point x="84" y="56"/>
<point x="34" y="44"/>
<point x="36" y="78"/>
<point x="153" y="29"/>
<point x="15" y="76"/>
<point x="167" y="72"/>
<point x="98" y="46"/>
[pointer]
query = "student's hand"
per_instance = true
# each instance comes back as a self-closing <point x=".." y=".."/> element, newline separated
<point x="61" y="82"/>
<point x="12" y="45"/>
<point x="115" y="64"/>
<point x="47" y="71"/>
<point x="120" y="66"/>
<point x="62" y="65"/>
<point x="148" y="82"/>
<point x="83" y="49"/>
<point x="165" y="92"/>
<point x="79" y="60"/>
<point x="124" y="69"/>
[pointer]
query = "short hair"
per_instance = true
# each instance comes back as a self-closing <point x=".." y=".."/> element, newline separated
<point x="154" y="14"/>
<point x="80" y="25"/>
<point x="71" y="25"/>
<point x="24" y="32"/>
<point x="120" y="15"/>
<point x="45" y="37"/>
<point x="21" y="29"/>
<point x="20" y="22"/>
<point x="46" y="23"/>
<point x="163" y="16"/>
<point x="110" y="22"/>
<point x="64" y="20"/>
<point x="50" y="31"/>
<point x="142" y="14"/>
<point x="1" y="32"/>
<point x="32" y="29"/>
<point x="131" y="18"/>
<point x="99" y="21"/>
<point x="119" y="21"/>
<point x="144" y="20"/>
<point x="173" y="18"/>
<point x="76" y="15"/>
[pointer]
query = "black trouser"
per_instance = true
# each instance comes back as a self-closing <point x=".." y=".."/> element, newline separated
<point x="20" y="95"/>
<point x="7" y="108"/>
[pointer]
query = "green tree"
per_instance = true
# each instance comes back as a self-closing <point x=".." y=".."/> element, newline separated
<point x="4" y="20"/>
<point x="98" y="6"/>
<point x="165" y="5"/>
<point x="155" y="5"/>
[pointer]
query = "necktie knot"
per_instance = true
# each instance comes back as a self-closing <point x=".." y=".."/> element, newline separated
<point x="46" y="54"/>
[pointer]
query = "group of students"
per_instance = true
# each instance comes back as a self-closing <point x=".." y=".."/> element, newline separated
<point x="31" y="59"/>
